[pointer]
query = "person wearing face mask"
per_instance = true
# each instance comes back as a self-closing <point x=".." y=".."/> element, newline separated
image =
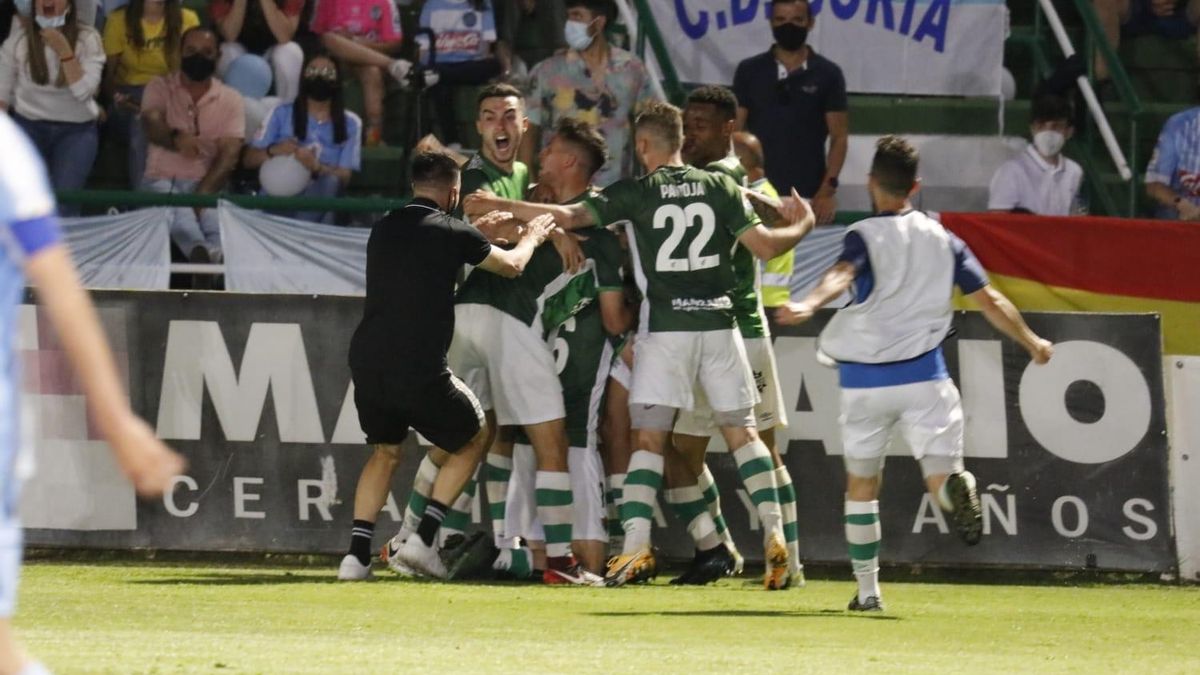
<point x="593" y="81"/>
<point x="50" y="70"/>
<point x="195" y="125"/>
<point x="1041" y="180"/>
<point x="317" y="130"/>
<point x="794" y="100"/>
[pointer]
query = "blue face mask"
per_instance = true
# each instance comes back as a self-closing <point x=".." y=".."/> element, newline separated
<point x="44" y="22"/>
<point x="24" y="7"/>
<point x="576" y="35"/>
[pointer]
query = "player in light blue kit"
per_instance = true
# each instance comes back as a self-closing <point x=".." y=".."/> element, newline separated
<point x="33" y="247"/>
<point x="901" y="267"/>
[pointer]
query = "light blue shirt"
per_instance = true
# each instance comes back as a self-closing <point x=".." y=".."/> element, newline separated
<point x="463" y="33"/>
<point x="278" y="127"/>
<point x="1176" y="158"/>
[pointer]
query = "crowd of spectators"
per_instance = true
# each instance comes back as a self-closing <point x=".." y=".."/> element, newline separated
<point x="257" y="85"/>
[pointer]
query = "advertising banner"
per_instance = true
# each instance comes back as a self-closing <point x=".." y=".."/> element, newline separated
<point x="255" y="391"/>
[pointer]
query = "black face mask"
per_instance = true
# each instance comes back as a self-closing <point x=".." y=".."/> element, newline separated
<point x="320" y="88"/>
<point x="197" y="67"/>
<point x="789" y="36"/>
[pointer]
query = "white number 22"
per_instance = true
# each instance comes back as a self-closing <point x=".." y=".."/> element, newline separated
<point x="679" y="219"/>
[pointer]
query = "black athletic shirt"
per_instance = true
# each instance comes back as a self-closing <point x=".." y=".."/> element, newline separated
<point x="413" y="257"/>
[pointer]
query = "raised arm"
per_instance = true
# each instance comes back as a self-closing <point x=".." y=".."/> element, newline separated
<point x="1004" y="316"/>
<point x="836" y="281"/>
<point x="568" y="216"/>
<point x="511" y="262"/>
<point x="790" y="221"/>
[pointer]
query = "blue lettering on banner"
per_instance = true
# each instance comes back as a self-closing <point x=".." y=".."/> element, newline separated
<point x="740" y="12"/>
<point x="934" y="17"/>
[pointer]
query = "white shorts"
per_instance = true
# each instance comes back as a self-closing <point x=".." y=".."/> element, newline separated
<point x="770" y="412"/>
<point x="507" y="365"/>
<point x="622" y="373"/>
<point x="927" y="415"/>
<point x="668" y="368"/>
<point x="587" y="491"/>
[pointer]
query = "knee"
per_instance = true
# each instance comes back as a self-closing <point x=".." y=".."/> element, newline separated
<point x="387" y="455"/>
<point x="287" y="56"/>
<point x="862" y="488"/>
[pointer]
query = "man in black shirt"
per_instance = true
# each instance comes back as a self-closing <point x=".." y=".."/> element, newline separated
<point x="398" y="353"/>
<point x="794" y="99"/>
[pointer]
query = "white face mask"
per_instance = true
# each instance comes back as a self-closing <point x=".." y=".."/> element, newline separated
<point x="576" y="34"/>
<point x="52" y="21"/>
<point x="1049" y="142"/>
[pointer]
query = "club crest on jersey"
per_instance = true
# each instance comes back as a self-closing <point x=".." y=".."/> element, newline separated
<point x="681" y="190"/>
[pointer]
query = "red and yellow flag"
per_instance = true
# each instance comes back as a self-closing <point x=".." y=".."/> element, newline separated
<point x="1093" y="265"/>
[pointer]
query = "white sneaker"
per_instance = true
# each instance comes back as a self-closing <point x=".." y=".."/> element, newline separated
<point x="388" y="555"/>
<point x="422" y="559"/>
<point x="399" y="69"/>
<point x="352" y="570"/>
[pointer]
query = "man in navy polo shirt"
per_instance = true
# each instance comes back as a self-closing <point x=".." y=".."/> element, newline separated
<point x="793" y="99"/>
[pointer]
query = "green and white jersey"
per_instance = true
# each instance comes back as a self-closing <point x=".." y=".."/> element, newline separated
<point x="480" y="174"/>
<point x="683" y="224"/>
<point x="747" y="309"/>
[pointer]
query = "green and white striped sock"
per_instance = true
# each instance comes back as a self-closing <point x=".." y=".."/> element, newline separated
<point x="556" y="510"/>
<point x="417" y="499"/>
<point x="758" y="475"/>
<point x="642" y="482"/>
<point x="712" y="498"/>
<point x="616" y="533"/>
<point x="458" y="516"/>
<point x="688" y="504"/>
<point x="497" y="471"/>
<point x="862" y="536"/>
<point x="787" y="505"/>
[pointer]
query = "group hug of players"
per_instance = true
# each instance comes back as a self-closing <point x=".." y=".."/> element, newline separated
<point x="580" y="398"/>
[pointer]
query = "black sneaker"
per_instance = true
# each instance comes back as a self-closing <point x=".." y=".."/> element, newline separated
<point x="871" y="604"/>
<point x="707" y="567"/>
<point x="967" y="514"/>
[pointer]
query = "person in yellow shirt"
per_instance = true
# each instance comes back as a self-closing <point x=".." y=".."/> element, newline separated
<point x="141" y="41"/>
<point x="777" y="272"/>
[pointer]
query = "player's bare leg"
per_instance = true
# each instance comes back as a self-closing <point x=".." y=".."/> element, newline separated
<point x="370" y="495"/>
<point x="758" y="476"/>
<point x="12" y="658"/>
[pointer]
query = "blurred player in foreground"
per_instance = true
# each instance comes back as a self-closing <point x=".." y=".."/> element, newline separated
<point x="35" y="249"/>
<point x="901" y="267"/>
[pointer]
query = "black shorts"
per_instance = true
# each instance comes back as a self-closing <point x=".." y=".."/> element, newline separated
<point x="443" y="410"/>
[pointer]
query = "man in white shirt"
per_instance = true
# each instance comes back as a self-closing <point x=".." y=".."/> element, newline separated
<point x="1041" y="180"/>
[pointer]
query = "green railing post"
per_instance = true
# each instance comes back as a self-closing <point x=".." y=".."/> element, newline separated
<point x="674" y="89"/>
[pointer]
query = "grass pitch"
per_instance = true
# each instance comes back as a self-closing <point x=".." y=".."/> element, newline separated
<point x="169" y="617"/>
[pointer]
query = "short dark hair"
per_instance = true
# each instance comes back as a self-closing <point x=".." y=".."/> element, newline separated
<point x="807" y="4"/>
<point x="585" y="137"/>
<point x="895" y="165"/>
<point x="498" y="90"/>
<point x="1051" y="108"/>
<point x="716" y="95"/>
<point x="433" y="168"/>
<point x="200" y="29"/>
<point x="604" y="8"/>
<point x="664" y="121"/>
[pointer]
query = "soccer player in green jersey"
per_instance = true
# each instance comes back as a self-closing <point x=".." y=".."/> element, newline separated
<point x="583" y="351"/>
<point x="708" y="122"/>
<point x="683" y="223"/>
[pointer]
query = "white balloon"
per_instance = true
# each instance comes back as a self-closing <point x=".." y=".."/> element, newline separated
<point x="283" y="176"/>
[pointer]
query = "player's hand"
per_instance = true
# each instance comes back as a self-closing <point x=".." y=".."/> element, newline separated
<point x="539" y="228"/>
<point x="824" y="205"/>
<point x="56" y="41"/>
<point x="498" y="226"/>
<point x="793" y="313"/>
<point x="480" y="202"/>
<point x="187" y="144"/>
<point x="796" y="209"/>
<point x="149" y="464"/>
<point x="569" y="250"/>
<point x="429" y="143"/>
<point x="1041" y="350"/>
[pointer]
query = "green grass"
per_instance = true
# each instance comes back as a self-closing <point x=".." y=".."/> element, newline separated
<point x="169" y="617"/>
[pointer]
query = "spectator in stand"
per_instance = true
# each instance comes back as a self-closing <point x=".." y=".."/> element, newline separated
<point x="316" y="130"/>
<point x="141" y="41"/>
<point x="465" y="53"/>
<point x="364" y="34"/>
<point x="1173" y="174"/>
<point x="195" y="125"/>
<point x="50" y="70"/>
<point x="531" y="30"/>
<point x="1041" y="180"/>
<point x="265" y="28"/>
<point x="592" y="81"/>
<point x="794" y="100"/>
<point x="1176" y="19"/>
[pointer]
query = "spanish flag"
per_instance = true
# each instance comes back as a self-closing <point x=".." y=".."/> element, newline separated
<point x="1090" y="264"/>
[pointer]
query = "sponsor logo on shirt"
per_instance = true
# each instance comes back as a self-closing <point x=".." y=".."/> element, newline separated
<point x="458" y="41"/>
<point x="701" y="304"/>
